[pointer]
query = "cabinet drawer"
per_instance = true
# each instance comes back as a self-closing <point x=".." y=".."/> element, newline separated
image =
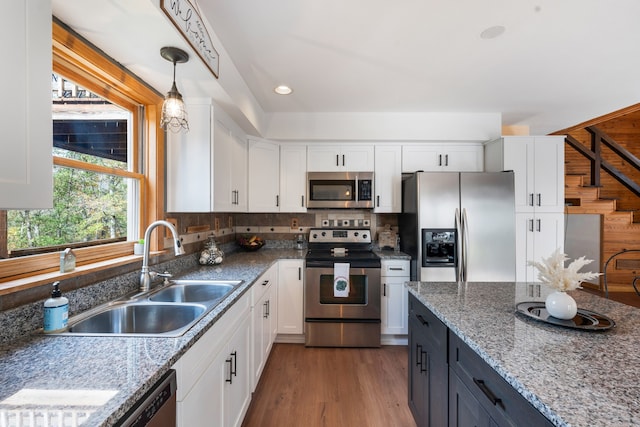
<point x="391" y="268"/>
<point x="430" y="325"/>
<point x="503" y="403"/>
<point x="263" y="283"/>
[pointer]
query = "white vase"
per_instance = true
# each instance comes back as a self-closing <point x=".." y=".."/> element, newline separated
<point x="561" y="305"/>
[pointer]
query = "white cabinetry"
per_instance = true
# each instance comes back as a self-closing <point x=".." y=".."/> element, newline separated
<point x="331" y="158"/>
<point x="264" y="316"/>
<point x="293" y="178"/>
<point x="214" y="375"/>
<point x="264" y="176"/>
<point x="230" y="168"/>
<point x="290" y="296"/>
<point x="388" y="179"/>
<point x="189" y="161"/>
<point x="538" y="166"/>
<point x="394" y="314"/>
<point x="434" y="157"/>
<point x="26" y="180"/>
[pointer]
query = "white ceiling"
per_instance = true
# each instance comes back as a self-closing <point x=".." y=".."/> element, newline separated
<point x="558" y="63"/>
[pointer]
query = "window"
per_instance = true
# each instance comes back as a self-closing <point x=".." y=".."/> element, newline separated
<point x="108" y="151"/>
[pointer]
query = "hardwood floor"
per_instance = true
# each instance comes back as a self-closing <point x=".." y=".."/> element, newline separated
<point x="332" y="387"/>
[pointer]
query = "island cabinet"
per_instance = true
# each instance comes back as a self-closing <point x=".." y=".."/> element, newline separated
<point x="428" y="370"/>
<point x="478" y="396"/>
<point x="213" y="376"/>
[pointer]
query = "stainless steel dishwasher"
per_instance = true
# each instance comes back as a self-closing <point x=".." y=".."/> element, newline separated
<point x="157" y="408"/>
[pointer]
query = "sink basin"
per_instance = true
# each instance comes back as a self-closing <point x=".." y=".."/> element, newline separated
<point x="194" y="291"/>
<point x="166" y="312"/>
<point x="140" y="319"/>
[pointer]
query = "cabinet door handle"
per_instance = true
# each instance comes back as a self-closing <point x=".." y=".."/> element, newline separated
<point x="539" y="199"/>
<point x="446" y="160"/>
<point x="265" y="312"/>
<point x="377" y="201"/>
<point x="230" y="379"/>
<point x="343" y="160"/>
<point x="384" y="289"/>
<point x="277" y="201"/>
<point x="538" y="225"/>
<point x="531" y="199"/>
<point x="299" y="273"/>
<point x="439" y="159"/>
<point x="424" y="364"/>
<point x="302" y="201"/>
<point x="337" y="159"/>
<point x="421" y="319"/>
<point x="531" y="225"/>
<point x="487" y="392"/>
<point x="418" y="355"/>
<point x="235" y="363"/>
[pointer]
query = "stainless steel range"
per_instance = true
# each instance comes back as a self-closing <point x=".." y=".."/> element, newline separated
<point x="342" y="290"/>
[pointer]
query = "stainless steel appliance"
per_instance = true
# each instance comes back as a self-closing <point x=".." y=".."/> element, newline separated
<point x="340" y="190"/>
<point x="353" y="319"/>
<point x="459" y="226"/>
<point x="157" y="407"/>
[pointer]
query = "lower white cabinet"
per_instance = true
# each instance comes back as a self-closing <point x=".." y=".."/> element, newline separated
<point x="264" y="317"/>
<point x="394" y="298"/>
<point x="291" y="296"/>
<point x="214" y="375"/>
<point x="537" y="236"/>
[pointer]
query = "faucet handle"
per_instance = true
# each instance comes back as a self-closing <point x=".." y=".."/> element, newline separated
<point x="166" y="276"/>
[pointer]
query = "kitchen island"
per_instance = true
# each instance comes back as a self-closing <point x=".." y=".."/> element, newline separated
<point x="96" y="380"/>
<point x="572" y="377"/>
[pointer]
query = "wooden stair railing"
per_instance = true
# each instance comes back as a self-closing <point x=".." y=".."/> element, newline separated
<point x="594" y="155"/>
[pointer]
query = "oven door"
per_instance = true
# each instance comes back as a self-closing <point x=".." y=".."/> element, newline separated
<point x="363" y="301"/>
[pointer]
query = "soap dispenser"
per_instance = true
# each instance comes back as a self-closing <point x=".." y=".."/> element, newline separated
<point x="56" y="311"/>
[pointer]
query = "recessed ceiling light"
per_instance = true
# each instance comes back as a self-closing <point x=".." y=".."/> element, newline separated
<point x="492" y="32"/>
<point x="283" y="90"/>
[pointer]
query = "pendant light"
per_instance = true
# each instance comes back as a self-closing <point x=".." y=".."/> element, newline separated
<point x="174" y="114"/>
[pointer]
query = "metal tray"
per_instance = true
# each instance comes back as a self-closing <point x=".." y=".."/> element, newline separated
<point x="585" y="319"/>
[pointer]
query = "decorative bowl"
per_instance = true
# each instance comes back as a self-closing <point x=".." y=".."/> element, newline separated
<point x="251" y="244"/>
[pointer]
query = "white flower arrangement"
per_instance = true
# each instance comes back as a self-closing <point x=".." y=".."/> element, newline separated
<point x="552" y="271"/>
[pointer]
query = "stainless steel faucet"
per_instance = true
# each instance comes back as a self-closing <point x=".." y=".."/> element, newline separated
<point x="145" y="276"/>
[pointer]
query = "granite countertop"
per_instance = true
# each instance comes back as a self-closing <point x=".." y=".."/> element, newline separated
<point x="97" y="379"/>
<point x="574" y="377"/>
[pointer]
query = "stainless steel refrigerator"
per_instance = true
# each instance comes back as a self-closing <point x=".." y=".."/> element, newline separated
<point x="459" y="226"/>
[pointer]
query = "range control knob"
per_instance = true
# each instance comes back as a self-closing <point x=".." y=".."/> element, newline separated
<point x="364" y="236"/>
<point x="356" y="234"/>
<point x="315" y="235"/>
<point x="323" y="234"/>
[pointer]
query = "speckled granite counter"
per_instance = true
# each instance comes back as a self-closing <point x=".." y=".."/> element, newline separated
<point x="100" y="378"/>
<point x="575" y="378"/>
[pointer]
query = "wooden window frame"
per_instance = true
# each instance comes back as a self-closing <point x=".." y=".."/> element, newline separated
<point x="77" y="59"/>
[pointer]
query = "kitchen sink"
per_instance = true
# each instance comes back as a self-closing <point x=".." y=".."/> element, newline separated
<point x="169" y="311"/>
<point x="194" y="291"/>
<point x="140" y="318"/>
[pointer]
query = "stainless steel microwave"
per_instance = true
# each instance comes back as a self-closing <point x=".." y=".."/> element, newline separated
<point x="340" y="190"/>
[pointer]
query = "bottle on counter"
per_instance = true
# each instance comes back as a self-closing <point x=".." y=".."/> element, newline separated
<point x="56" y="311"/>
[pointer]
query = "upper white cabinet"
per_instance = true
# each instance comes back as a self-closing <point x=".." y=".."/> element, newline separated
<point x="293" y="178"/>
<point x="207" y="166"/>
<point x="434" y="157"/>
<point x="349" y="157"/>
<point x="189" y="162"/>
<point x="26" y="167"/>
<point x="388" y="179"/>
<point x="538" y="165"/>
<point x="229" y="167"/>
<point x="264" y="176"/>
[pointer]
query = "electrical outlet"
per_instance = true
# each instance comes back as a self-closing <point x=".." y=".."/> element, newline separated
<point x="295" y="223"/>
<point x="216" y="224"/>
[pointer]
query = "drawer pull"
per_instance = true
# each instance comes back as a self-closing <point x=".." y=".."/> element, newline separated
<point x="487" y="392"/>
<point x="421" y="319"/>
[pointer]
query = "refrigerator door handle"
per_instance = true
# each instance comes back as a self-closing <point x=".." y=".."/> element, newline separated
<point x="459" y="254"/>
<point x="465" y="244"/>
